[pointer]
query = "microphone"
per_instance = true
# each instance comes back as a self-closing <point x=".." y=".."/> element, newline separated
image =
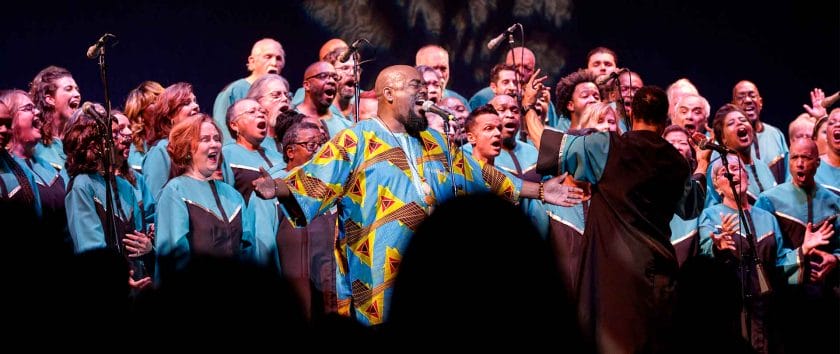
<point x="613" y="75"/>
<point x="703" y="142"/>
<point x="94" y="50"/>
<point x="430" y="106"/>
<point x="353" y="49"/>
<point x="493" y="43"/>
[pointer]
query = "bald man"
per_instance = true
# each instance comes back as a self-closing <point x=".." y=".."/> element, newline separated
<point x="437" y="58"/>
<point x="525" y="62"/>
<point x="267" y="57"/>
<point x="769" y="147"/>
<point x="797" y="204"/>
<point x="320" y="85"/>
<point x="330" y="46"/>
<point x="386" y="174"/>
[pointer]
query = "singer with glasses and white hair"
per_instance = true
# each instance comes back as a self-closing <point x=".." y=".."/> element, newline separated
<point x="755" y="242"/>
<point x="272" y="92"/>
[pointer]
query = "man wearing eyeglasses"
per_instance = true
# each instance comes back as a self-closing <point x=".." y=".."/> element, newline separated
<point x="267" y="57"/>
<point x="320" y="84"/>
<point x="769" y="146"/>
<point x="247" y="123"/>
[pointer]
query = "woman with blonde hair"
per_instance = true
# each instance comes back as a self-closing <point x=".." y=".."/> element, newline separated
<point x="599" y="116"/>
<point x="137" y="110"/>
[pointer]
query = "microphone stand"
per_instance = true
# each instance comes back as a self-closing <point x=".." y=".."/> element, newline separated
<point x="446" y="129"/>
<point x="748" y="258"/>
<point x="518" y="77"/>
<point x="357" y="74"/>
<point x="108" y="158"/>
<point x="110" y="179"/>
<point x="619" y="103"/>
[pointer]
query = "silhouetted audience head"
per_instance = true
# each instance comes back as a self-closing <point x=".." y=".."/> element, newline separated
<point x="477" y="272"/>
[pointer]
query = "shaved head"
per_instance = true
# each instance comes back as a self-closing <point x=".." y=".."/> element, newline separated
<point x="393" y="76"/>
<point x="317" y="68"/>
<point x="330" y="46"/>
<point x="519" y="53"/>
<point x="805" y="146"/>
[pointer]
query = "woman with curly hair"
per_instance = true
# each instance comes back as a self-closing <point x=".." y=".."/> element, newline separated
<point x="56" y="95"/>
<point x="86" y="195"/>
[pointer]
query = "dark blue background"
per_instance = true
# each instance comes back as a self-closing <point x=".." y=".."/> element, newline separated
<point x="785" y="48"/>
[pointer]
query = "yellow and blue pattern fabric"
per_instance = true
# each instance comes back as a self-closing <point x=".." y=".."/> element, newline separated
<point x="384" y="185"/>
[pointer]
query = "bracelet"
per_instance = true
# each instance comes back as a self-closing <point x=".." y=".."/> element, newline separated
<point x="542" y="192"/>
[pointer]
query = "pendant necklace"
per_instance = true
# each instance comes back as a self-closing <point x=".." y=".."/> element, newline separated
<point x="420" y="184"/>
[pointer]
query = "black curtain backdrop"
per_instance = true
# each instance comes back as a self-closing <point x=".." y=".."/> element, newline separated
<point x="786" y="48"/>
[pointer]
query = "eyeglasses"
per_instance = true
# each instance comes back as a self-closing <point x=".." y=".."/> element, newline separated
<point x="252" y="112"/>
<point x="324" y="75"/>
<point x="309" y="145"/>
<point x="276" y="95"/>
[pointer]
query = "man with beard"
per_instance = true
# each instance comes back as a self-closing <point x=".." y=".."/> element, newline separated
<point x="769" y="147"/>
<point x="320" y="83"/>
<point x="628" y="263"/>
<point x="267" y="57"/>
<point x="386" y="174"/>
<point x="799" y="205"/>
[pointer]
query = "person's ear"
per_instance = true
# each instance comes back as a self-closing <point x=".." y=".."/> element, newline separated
<point x="306" y="85"/>
<point x="471" y="138"/>
<point x="50" y="100"/>
<point x="250" y="63"/>
<point x="388" y="93"/>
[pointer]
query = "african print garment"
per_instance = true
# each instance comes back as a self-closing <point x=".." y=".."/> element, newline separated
<point x="384" y="185"/>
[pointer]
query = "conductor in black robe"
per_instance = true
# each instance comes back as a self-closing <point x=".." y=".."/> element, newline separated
<point x="628" y="265"/>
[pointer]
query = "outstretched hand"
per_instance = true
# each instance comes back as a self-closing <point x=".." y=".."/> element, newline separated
<point x="816" y="109"/>
<point x="560" y="194"/>
<point x="816" y="238"/>
<point x="264" y="185"/>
